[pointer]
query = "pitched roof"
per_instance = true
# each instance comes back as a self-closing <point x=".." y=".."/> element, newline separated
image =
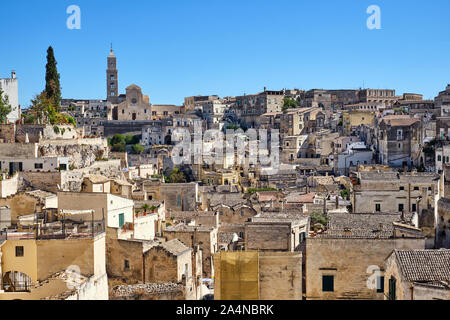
<point x="364" y="226"/>
<point x="41" y="195"/>
<point x="175" y="247"/>
<point x="424" y="265"/>
<point x="96" y="178"/>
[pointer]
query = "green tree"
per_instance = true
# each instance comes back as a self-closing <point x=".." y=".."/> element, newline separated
<point x="145" y="207"/>
<point x="41" y="107"/>
<point x="345" y="194"/>
<point x="117" y="138"/>
<point x="131" y="140"/>
<point x="318" y="217"/>
<point x="176" y="176"/>
<point x="289" y="103"/>
<point x="5" y="107"/>
<point x="52" y="85"/>
<point x="119" y="147"/>
<point x="137" y="148"/>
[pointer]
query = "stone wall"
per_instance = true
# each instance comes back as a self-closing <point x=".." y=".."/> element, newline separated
<point x="46" y="181"/>
<point x="349" y="260"/>
<point x="268" y="236"/>
<point x="34" y="133"/>
<point x="81" y="153"/>
<point x="7" y="133"/>
<point x="113" y="127"/>
<point x="9" y="187"/>
<point x="117" y="251"/>
<point x="18" y="150"/>
<point x="280" y="276"/>
<point x="205" y="239"/>
<point x="151" y="291"/>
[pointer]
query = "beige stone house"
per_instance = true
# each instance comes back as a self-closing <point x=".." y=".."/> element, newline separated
<point x="347" y="260"/>
<point x="191" y="236"/>
<point x="417" y="275"/>
<point x="57" y="268"/>
<point x="96" y="183"/>
<point x="276" y="232"/>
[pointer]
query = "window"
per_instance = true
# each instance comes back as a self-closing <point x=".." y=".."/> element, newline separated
<point x="402" y="188"/>
<point x="414" y="207"/>
<point x="302" y="237"/>
<point x="38" y="166"/>
<point x="327" y="283"/>
<point x="416" y="188"/>
<point x="401" y="207"/>
<point x="378" y="207"/>
<point x="19" y="251"/>
<point x="126" y="265"/>
<point x="380" y="284"/>
<point x="439" y="158"/>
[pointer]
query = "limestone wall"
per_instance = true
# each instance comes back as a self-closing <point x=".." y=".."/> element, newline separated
<point x="280" y="276"/>
<point x="18" y="150"/>
<point x="9" y="187"/>
<point x="348" y="261"/>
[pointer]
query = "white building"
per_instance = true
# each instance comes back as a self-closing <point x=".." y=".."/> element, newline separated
<point x="10" y="87"/>
<point x="356" y="154"/>
<point x="442" y="157"/>
<point x="52" y="164"/>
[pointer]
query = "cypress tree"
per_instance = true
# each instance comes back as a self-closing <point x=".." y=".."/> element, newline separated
<point x="52" y="85"/>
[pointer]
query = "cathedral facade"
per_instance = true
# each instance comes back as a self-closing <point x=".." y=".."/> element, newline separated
<point x="132" y="105"/>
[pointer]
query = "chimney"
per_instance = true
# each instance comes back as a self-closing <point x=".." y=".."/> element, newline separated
<point x="265" y="89"/>
<point x="13" y="74"/>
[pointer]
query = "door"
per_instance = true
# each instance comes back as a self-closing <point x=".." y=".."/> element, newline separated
<point x="121" y="220"/>
<point x="392" y="288"/>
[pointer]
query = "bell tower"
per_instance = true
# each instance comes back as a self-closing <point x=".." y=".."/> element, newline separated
<point x="112" y="81"/>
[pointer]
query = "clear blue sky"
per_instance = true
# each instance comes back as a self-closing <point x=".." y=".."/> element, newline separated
<point x="174" y="49"/>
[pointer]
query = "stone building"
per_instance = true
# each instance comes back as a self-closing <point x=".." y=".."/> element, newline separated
<point x="165" y="111"/>
<point x="355" y="118"/>
<point x="294" y="122"/>
<point x="442" y="102"/>
<point x="136" y="105"/>
<point x="63" y="267"/>
<point x="250" y="107"/>
<point x="197" y="102"/>
<point x="192" y="236"/>
<point x="417" y="275"/>
<point x="276" y="232"/>
<point x="29" y="202"/>
<point x="346" y="261"/>
<point x="112" y="78"/>
<point x="10" y="88"/>
<point x="399" y="141"/>
<point x="177" y="196"/>
<point x="385" y="96"/>
<point x="393" y="192"/>
<point x="443" y="223"/>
